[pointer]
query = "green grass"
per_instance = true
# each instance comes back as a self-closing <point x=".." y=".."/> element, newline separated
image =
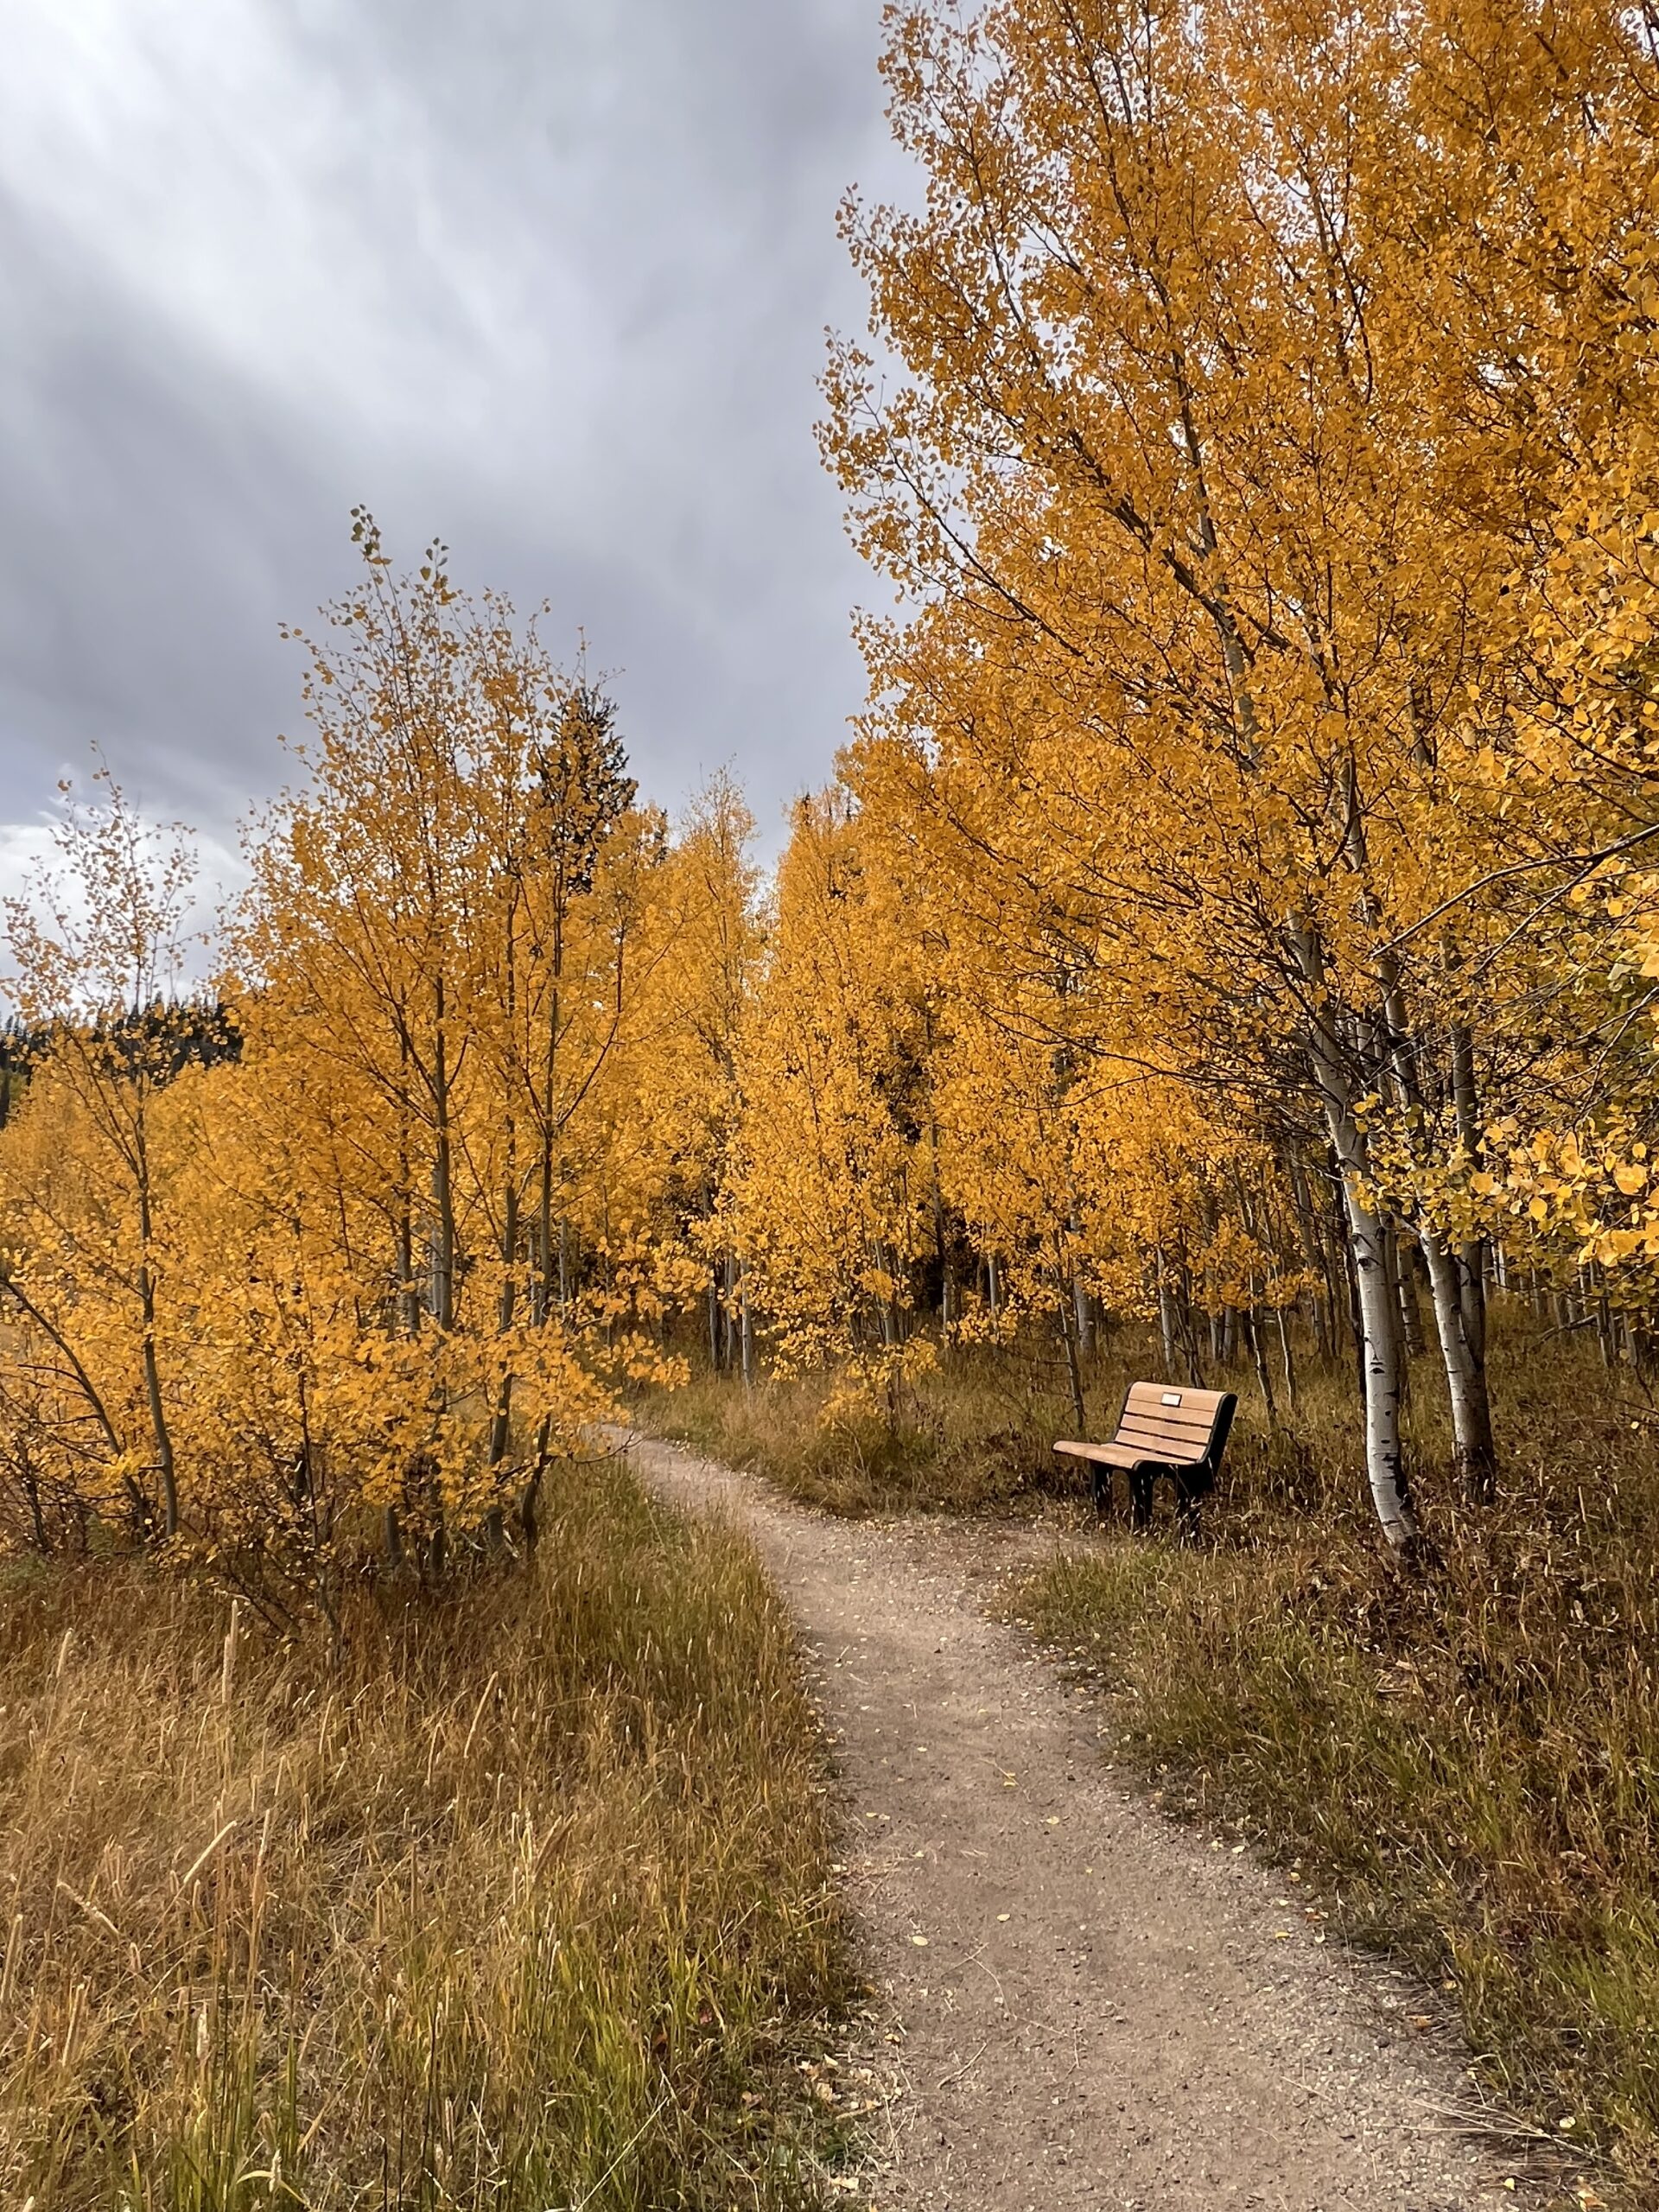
<point x="523" y="1904"/>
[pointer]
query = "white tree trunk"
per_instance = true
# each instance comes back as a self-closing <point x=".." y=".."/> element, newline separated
<point x="1379" y="1317"/>
<point x="1466" y="1369"/>
<point x="1167" y="1317"/>
<point x="1379" y="1349"/>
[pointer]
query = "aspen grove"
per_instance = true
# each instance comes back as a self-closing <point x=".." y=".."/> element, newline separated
<point x="1236" y="914"/>
<point x="349" y="1258"/>
<point x="1263" y="755"/>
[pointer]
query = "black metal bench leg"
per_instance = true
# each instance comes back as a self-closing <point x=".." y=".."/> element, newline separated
<point x="1100" y="1484"/>
<point x="1141" y="1498"/>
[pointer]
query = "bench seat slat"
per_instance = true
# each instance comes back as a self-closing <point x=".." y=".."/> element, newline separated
<point x="1176" y="1416"/>
<point x="1136" y="1425"/>
<point x="1157" y="1397"/>
<point x="1130" y="1455"/>
<point x="1163" y="1439"/>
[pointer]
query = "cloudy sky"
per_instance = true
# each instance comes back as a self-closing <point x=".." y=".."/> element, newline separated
<point x="548" y="278"/>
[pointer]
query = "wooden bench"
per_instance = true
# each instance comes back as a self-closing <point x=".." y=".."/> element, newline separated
<point x="1162" y="1430"/>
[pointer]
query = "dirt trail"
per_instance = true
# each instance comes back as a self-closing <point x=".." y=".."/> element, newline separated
<point x="1091" y="2007"/>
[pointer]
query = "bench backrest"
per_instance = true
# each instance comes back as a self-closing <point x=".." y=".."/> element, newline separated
<point x="1170" y="1421"/>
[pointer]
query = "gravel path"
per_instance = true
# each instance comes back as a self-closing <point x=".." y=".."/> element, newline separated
<point x="1089" y="2006"/>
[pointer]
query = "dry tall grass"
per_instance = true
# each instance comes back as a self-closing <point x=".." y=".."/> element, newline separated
<point x="1466" y="1763"/>
<point x="522" y="1905"/>
<point x="974" y="1438"/>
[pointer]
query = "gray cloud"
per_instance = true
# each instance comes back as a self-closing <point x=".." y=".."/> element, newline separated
<point x="546" y="278"/>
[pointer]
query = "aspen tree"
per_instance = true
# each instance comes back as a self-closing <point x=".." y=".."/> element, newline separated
<point x="100" y="969"/>
<point x="824" y="1186"/>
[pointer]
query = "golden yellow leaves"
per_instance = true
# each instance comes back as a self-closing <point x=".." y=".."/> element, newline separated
<point x="1584" y="1196"/>
<point x="829" y="1179"/>
<point x="400" y="1254"/>
<point x="870" y="1387"/>
<point x="1221" y="625"/>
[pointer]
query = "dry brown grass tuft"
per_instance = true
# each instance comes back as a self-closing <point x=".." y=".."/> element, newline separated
<point x="523" y="1904"/>
<point x="974" y="1437"/>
